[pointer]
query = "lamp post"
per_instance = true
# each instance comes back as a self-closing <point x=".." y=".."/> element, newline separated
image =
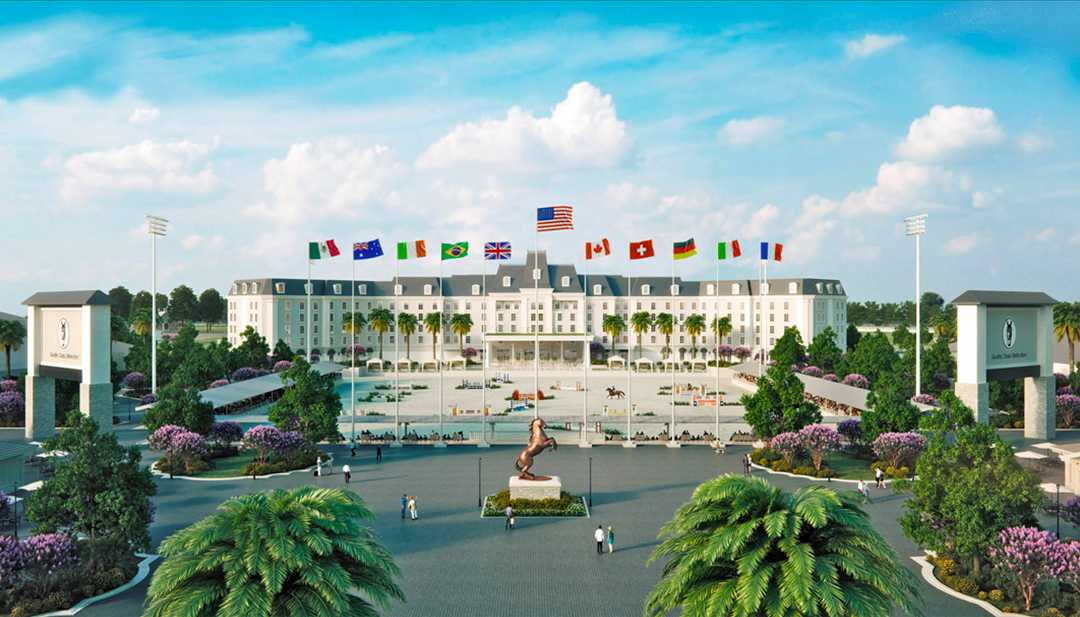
<point x="479" y="482"/>
<point x="155" y="226"/>
<point x="590" y="481"/>
<point x="916" y="226"/>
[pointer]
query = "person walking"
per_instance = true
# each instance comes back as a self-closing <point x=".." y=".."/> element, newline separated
<point x="599" y="536"/>
<point x="318" y="466"/>
<point x="404" y="504"/>
<point x="879" y="477"/>
<point x="347" y="472"/>
<point x="610" y="539"/>
<point x="747" y="464"/>
<point x="378" y="454"/>
<point x="509" y="517"/>
<point x="864" y="490"/>
<point x="412" y="508"/>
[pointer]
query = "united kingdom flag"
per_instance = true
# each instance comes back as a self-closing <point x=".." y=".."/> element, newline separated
<point x="496" y="251"/>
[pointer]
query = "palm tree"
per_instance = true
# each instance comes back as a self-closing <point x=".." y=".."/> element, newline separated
<point x="641" y="321"/>
<point x="461" y="324"/>
<point x="140" y="322"/>
<point x="614" y="325"/>
<point x="721" y="327"/>
<point x="695" y="325"/>
<point x="665" y="323"/>
<point x="12" y="335"/>
<point x="381" y="320"/>
<point x="943" y="327"/>
<point x="407" y="324"/>
<point x="1067" y="328"/>
<point x="433" y="325"/>
<point x="743" y="547"/>
<point x="280" y="553"/>
<point x="352" y="323"/>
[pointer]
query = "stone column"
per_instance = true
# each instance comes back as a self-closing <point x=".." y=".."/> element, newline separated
<point x="1040" y="407"/>
<point x="977" y="397"/>
<point x="41" y="407"/>
<point x="96" y="403"/>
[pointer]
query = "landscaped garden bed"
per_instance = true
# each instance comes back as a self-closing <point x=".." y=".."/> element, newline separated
<point x="264" y="450"/>
<point x="565" y="505"/>
<point x="816" y="452"/>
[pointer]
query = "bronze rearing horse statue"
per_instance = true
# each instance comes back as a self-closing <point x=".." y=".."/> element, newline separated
<point x="538" y="442"/>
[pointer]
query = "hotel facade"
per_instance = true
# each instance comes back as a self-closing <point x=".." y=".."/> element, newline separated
<point x="506" y="309"/>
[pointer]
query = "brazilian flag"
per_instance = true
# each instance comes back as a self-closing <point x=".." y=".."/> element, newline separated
<point x="454" y="250"/>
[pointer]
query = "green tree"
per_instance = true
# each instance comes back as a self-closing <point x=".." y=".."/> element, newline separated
<point x="779" y="405"/>
<point x="282" y="351"/>
<point x="873" y="357"/>
<point x="943" y="326"/>
<point x="461" y="324"/>
<point x="950" y="415"/>
<point x="381" y="320"/>
<point x="120" y="301"/>
<point x="99" y="490"/>
<point x="640" y="322"/>
<point x="140" y="323"/>
<point x="433" y="326"/>
<point x="890" y="408"/>
<point x="140" y="302"/>
<point x="252" y="351"/>
<point x="721" y="327"/>
<point x="309" y="402"/>
<point x="937" y="359"/>
<point x="211" y="307"/>
<point x="613" y="325"/>
<point x="179" y="403"/>
<point x="695" y="326"/>
<point x="1067" y="328"/>
<point x="823" y="351"/>
<point x="183" y="305"/>
<point x="788" y="349"/>
<point x="12" y="336"/>
<point x="665" y="324"/>
<point x="407" y="326"/>
<point x="743" y="547"/>
<point x="904" y="340"/>
<point x="282" y="553"/>
<point x="969" y="487"/>
<point x="853" y="336"/>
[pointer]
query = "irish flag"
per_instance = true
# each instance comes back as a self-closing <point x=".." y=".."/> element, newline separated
<point x="411" y="250"/>
<point x="323" y="250"/>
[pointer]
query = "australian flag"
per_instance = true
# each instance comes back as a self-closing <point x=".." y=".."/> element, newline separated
<point x="366" y="250"/>
<point x="496" y="251"/>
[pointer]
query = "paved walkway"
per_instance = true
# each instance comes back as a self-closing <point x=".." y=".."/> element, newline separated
<point x="456" y="564"/>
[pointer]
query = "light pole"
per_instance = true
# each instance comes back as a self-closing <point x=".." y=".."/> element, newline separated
<point x="916" y="226"/>
<point x="156" y="226"/>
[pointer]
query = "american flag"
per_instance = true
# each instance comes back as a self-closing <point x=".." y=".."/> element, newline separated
<point x="554" y="218"/>
<point x="496" y="251"/>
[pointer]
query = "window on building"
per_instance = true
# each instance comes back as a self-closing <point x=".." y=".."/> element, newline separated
<point x="820" y="288"/>
<point x="476" y="290"/>
<point x="254" y="287"/>
<point x="243" y="288"/>
<point x="735" y="289"/>
<point x="362" y="289"/>
<point x="337" y="289"/>
<point x="710" y="289"/>
<point x="596" y="289"/>
<point x="645" y="290"/>
<point x="793" y="287"/>
<point x="427" y="289"/>
<point x="565" y="282"/>
<point x="674" y="290"/>
<point x="279" y="288"/>
<point x="506" y="281"/>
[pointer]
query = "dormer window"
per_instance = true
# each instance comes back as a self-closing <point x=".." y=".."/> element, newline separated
<point x="597" y="289"/>
<point x="337" y="289"/>
<point x="645" y="290"/>
<point x="308" y="288"/>
<point x="243" y="288"/>
<point x="506" y="281"/>
<point x="736" y="289"/>
<point x="820" y="288"/>
<point x="475" y="290"/>
<point x="764" y="288"/>
<point x="279" y="288"/>
<point x="362" y="289"/>
<point x="710" y="289"/>
<point x="398" y="289"/>
<point x="565" y="281"/>
<point x="232" y="290"/>
<point x="427" y="289"/>
<point x="793" y="287"/>
<point x="839" y="289"/>
<point x="830" y="287"/>
<point x="674" y="290"/>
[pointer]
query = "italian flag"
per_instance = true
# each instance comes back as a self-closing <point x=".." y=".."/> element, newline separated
<point x="411" y="250"/>
<point x="323" y="250"/>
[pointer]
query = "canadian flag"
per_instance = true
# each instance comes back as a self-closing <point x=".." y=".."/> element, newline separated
<point x="597" y="249"/>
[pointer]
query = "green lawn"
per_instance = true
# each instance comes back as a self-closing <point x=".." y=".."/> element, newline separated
<point x="850" y="468"/>
<point x="227" y="467"/>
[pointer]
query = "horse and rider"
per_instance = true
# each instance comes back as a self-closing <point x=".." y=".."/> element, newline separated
<point x="613" y="392"/>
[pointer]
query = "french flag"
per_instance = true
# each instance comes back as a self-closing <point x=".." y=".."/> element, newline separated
<point x="776" y="253"/>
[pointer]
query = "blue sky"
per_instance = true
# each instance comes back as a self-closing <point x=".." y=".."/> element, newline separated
<point x="257" y="127"/>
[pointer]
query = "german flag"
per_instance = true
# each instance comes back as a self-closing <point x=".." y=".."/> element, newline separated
<point x="682" y="250"/>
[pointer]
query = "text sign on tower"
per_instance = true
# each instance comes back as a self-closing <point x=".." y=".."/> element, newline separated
<point x="61" y="338"/>
<point x="1010" y="337"/>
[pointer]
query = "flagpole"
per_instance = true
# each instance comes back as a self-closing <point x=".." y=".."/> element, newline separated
<point x="586" y="358"/>
<point x="442" y="341"/>
<point x="629" y="381"/>
<point x="534" y="318"/>
<point x="397" y="346"/>
<point x="307" y="288"/>
<point x="484" y="359"/>
<point x="671" y="292"/>
<point x="716" y="353"/>
<point x="352" y="347"/>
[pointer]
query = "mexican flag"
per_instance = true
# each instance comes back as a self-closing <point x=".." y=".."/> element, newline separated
<point x="323" y="250"/>
<point x="454" y="250"/>
<point x="411" y="250"/>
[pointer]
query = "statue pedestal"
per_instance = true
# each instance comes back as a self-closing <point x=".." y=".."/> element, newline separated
<point x="535" y="489"/>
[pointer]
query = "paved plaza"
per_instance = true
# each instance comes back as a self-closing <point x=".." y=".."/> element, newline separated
<point x="456" y="564"/>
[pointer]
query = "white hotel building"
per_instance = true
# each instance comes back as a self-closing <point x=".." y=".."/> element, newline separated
<point x="569" y="308"/>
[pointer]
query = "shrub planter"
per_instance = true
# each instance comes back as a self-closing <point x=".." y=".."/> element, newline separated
<point x="566" y="505"/>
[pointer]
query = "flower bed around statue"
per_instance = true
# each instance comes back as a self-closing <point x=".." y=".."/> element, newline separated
<point x="565" y="505"/>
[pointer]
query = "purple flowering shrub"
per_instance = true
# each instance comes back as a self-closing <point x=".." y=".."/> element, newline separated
<point x="856" y="380"/>
<point x="290" y="443"/>
<point x="850" y="430"/>
<point x="217" y="383"/>
<point x="244" y="373"/>
<point x="742" y="353"/>
<point x="1026" y="556"/>
<point x="162" y="438"/>
<point x="46" y="553"/>
<point x="725" y="351"/>
<point x="12" y="406"/>
<point x="819" y="440"/>
<point x="813" y="371"/>
<point x="926" y="399"/>
<point x="263" y="440"/>
<point x="224" y="433"/>
<point x="899" y="449"/>
<point x="147" y="399"/>
<point x="1065" y="390"/>
<point x="941" y="382"/>
<point x="134" y="380"/>
<point x="282" y="365"/>
<point x="11" y="559"/>
<point x="830" y="377"/>
<point x="188" y="446"/>
<point x="1060" y="380"/>
<point x="1071" y="510"/>
<point x="789" y="445"/>
<point x="1068" y="407"/>
<point x="9" y="385"/>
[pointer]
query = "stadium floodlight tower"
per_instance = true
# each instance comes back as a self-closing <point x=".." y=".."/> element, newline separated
<point x="916" y="226"/>
<point x="155" y="226"/>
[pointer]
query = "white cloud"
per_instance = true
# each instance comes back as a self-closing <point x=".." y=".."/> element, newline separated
<point x="985" y="199"/>
<point x="331" y="178"/>
<point x="583" y="131"/>
<point x="143" y="115"/>
<point x="948" y="130"/>
<point x="903" y="185"/>
<point x="181" y="167"/>
<point x="1034" y="142"/>
<point x="741" y="132"/>
<point x="195" y="241"/>
<point x="961" y="244"/>
<point x="1045" y="234"/>
<point x="871" y="44"/>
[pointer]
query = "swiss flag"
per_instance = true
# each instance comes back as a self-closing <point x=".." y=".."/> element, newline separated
<point x="597" y="249"/>
<point x="642" y="250"/>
